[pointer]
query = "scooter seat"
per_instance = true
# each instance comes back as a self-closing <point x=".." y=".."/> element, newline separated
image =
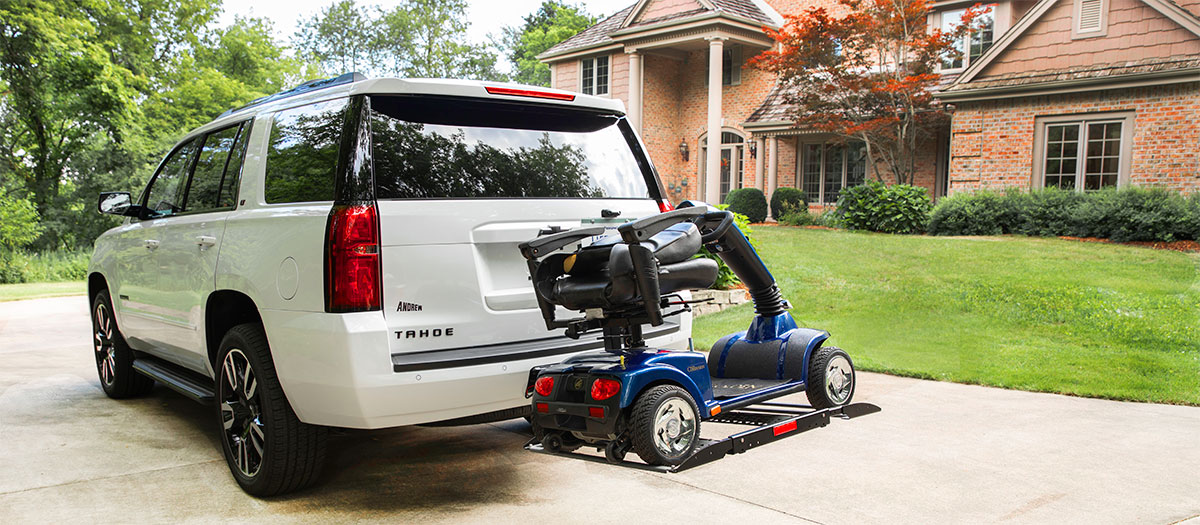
<point x="601" y="275"/>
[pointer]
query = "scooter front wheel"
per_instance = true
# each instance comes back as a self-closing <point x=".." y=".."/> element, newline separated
<point x="831" y="378"/>
<point x="665" y="426"/>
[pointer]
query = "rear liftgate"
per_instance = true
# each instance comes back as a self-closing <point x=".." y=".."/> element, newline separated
<point x="770" y="422"/>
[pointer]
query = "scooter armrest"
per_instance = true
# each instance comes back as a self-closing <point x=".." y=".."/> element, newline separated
<point x="642" y="229"/>
<point x="540" y="246"/>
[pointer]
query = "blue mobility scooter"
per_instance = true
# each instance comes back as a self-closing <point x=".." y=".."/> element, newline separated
<point x="652" y="401"/>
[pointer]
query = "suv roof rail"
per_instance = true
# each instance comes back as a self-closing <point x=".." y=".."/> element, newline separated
<point x="311" y="85"/>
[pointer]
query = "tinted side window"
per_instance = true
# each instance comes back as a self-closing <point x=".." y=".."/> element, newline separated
<point x="210" y="169"/>
<point x="233" y="171"/>
<point x="166" y="190"/>
<point x="302" y="156"/>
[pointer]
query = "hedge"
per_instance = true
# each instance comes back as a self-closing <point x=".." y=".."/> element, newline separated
<point x="901" y="208"/>
<point x="749" y="202"/>
<point x="1123" y="215"/>
<point x="787" y="199"/>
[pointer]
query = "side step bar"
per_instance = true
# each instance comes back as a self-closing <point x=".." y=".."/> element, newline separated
<point x="192" y="385"/>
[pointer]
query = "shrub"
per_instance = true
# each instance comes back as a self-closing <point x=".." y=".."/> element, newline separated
<point x="725" y="277"/>
<point x="981" y="213"/>
<point x="20" y="267"/>
<point x="1048" y="212"/>
<point x="1134" y="214"/>
<point x="793" y="216"/>
<point x="873" y="206"/>
<point x="785" y="198"/>
<point x="749" y="202"/>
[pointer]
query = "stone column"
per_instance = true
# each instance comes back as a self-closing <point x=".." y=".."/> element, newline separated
<point x="712" y="170"/>
<point x="635" y="91"/>
<point x="772" y="167"/>
<point x="759" y="181"/>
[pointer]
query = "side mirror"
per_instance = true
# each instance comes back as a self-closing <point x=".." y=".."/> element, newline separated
<point x="115" y="202"/>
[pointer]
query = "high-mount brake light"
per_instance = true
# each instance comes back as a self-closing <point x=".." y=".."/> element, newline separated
<point x="604" y="388"/>
<point x="492" y="90"/>
<point x="544" y="385"/>
<point x="352" y="278"/>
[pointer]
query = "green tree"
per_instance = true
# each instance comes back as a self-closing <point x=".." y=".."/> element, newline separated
<point x="417" y="38"/>
<point x="18" y="221"/>
<point x="552" y="23"/>
<point x="61" y="88"/>
<point x="339" y="38"/>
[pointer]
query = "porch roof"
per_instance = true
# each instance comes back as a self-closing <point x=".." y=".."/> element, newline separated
<point x="602" y="33"/>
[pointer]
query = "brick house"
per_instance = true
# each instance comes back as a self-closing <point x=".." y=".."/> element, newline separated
<point x="1047" y="93"/>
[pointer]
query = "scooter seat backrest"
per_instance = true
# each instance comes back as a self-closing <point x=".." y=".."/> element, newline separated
<point x="601" y="275"/>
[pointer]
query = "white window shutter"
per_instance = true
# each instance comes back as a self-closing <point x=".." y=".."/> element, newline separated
<point x="1090" y="15"/>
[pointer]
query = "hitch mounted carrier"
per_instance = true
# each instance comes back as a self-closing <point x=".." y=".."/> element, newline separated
<point x="770" y="421"/>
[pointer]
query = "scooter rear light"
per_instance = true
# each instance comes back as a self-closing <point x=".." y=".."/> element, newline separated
<point x="352" y="278"/>
<point x="596" y="412"/>
<point x="604" y="388"/>
<point x="664" y="206"/>
<point x="544" y="385"/>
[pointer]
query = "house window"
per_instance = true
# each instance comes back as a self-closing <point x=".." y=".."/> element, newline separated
<point x="731" y="67"/>
<point x="1083" y="155"/>
<point x="594" y="77"/>
<point x="828" y="168"/>
<point x="976" y="41"/>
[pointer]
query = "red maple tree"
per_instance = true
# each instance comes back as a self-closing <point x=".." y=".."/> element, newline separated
<point x="867" y="76"/>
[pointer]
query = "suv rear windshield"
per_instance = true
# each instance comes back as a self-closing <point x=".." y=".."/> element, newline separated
<point x="439" y="147"/>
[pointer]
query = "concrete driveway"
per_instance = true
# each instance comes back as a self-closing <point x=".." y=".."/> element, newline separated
<point x="938" y="452"/>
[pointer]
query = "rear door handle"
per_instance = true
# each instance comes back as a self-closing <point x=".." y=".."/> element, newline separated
<point x="204" y="241"/>
<point x="150" y="244"/>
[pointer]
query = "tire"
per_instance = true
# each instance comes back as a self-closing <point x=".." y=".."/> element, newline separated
<point x="663" y="431"/>
<point x="114" y="358"/>
<point x="831" y="379"/>
<point x="269" y="451"/>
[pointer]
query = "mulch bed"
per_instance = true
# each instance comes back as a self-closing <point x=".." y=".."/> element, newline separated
<point x="1178" y="246"/>
<point x="810" y="227"/>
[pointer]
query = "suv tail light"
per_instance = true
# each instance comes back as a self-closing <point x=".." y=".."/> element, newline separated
<point x="664" y="206"/>
<point x="352" y="273"/>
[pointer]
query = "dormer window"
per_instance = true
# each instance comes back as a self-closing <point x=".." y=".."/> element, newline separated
<point x="975" y="43"/>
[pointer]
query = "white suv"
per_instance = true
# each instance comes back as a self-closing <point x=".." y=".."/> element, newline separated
<point x="344" y="254"/>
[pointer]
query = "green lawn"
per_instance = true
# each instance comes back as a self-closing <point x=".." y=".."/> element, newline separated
<point x="1015" y="312"/>
<point x="17" y="292"/>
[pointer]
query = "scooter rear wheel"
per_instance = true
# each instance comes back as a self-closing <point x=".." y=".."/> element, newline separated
<point x="665" y="426"/>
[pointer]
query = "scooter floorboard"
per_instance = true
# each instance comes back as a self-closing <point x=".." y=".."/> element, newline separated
<point x="772" y="422"/>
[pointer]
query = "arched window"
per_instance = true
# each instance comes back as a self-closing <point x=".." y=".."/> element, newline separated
<point x="733" y="153"/>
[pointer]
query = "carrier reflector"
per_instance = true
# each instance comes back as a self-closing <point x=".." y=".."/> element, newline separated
<point x="603" y="388"/>
<point x="597" y="412"/>
<point x="544" y="385"/>
<point x="715" y="410"/>
<point x="543" y="408"/>
<point x="529" y="93"/>
<point x="785" y="427"/>
<point x="352" y="279"/>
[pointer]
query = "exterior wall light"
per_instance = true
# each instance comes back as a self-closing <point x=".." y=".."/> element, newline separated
<point x="683" y="151"/>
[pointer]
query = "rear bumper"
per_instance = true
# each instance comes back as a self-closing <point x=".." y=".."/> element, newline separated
<point x="337" y="370"/>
